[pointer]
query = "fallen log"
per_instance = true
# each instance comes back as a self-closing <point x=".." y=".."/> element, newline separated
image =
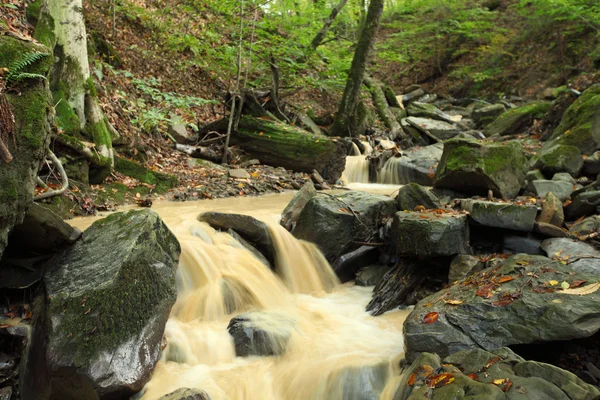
<point x="282" y="145"/>
<point x="205" y="153"/>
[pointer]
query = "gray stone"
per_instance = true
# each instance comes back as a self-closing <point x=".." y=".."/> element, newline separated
<point x="429" y="112"/>
<point x="501" y="215"/>
<point x="591" y="165"/>
<point x="584" y="203"/>
<point x="186" y="394"/>
<point x="486" y="115"/>
<point x="347" y="265"/>
<point x="292" y="211"/>
<point x="526" y="244"/>
<point x="549" y="230"/>
<point x="439" y="129"/>
<point x="516" y="119"/>
<point x="418" y="164"/>
<point x="412" y="96"/>
<point x="413" y="195"/>
<point x="564" y="176"/>
<point x="552" y="210"/>
<point x="238" y="173"/>
<point x="429" y="234"/>
<point x="365" y="382"/>
<point x="260" y="333"/>
<point x="475" y="168"/>
<point x="560" y="158"/>
<point x="336" y="222"/>
<point x="371" y="275"/>
<point x="540" y="188"/>
<point x="580" y="256"/>
<point x="181" y="135"/>
<point x="108" y="298"/>
<point x="494" y="311"/>
<point x="534" y="175"/>
<point x="587" y="226"/>
<point x="462" y="266"/>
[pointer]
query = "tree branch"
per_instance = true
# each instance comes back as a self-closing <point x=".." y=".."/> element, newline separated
<point x="63" y="176"/>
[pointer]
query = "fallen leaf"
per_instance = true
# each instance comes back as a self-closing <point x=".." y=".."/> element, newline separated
<point x="577" y="283"/>
<point x="412" y="379"/>
<point x="503" y="302"/>
<point x="553" y="283"/>
<point x="440" y="380"/>
<point x="474" y="376"/>
<point x="582" y="291"/>
<point x="491" y="362"/>
<point x="454" y="302"/>
<point x="342" y="210"/>
<point x="565" y="285"/>
<point x="430" y="318"/>
<point x="504" y="279"/>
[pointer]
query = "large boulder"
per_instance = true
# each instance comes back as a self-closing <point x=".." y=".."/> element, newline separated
<point x="501" y="215"/>
<point x="520" y="301"/>
<point x="580" y="125"/>
<point x="260" y="333"/>
<point x="560" y="158"/>
<point x="472" y="167"/>
<point x="30" y="103"/>
<point x="429" y="234"/>
<point x="497" y="374"/>
<point x="417" y="165"/>
<point x="336" y="223"/>
<point x="516" y="119"/>
<point x="108" y="298"/>
<point x="580" y="256"/>
<point x="486" y="115"/>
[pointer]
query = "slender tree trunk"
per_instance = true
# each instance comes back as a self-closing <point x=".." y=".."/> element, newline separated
<point x="61" y="27"/>
<point x="346" y="118"/>
<point x="318" y="39"/>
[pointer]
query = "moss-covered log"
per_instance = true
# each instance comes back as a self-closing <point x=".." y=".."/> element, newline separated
<point x="383" y="109"/>
<point x="130" y="168"/>
<point x="286" y="146"/>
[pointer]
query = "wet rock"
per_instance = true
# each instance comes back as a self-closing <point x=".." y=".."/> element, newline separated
<point x="418" y="165"/>
<point x="496" y="308"/>
<point x="371" y="275"/>
<point x="526" y="244"/>
<point x="584" y="203"/>
<point x="496" y="374"/>
<point x="429" y="234"/>
<point x="580" y="124"/>
<point x="439" y="129"/>
<point x="364" y="382"/>
<point x="238" y="173"/>
<point x="336" y="223"/>
<point x="501" y="215"/>
<point x="462" y="266"/>
<point x="586" y="226"/>
<point x="251" y="229"/>
<point x="486" y="115"/>
<point x="292" y="211"/>
<point x="108" y="299"/>
<point x="591" y="165"/>
<point x="564" y="176"/>
<point x="260" y="333"/>
<point x="348" y="264"/>
<point x="579" y="256"/>
<point x="561" y="189"/>
<point x="413" y="195"/>
<point x="560" y="158"/>
<point x="516" y="119"/>
<point x="475" y="168"/>
<point x="246" y="245"/>
<point x="549" y="230"/>
<point x="186" y="394"/>
<point x="552" y="211"/>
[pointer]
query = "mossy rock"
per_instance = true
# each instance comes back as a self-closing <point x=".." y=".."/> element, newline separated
<point x="472" y="167"/>
<point x="30" y="105"/>
<point x="560" y="158"/>
<point x="130" y="168"/>
<point x="580" y="125"/>
<point x="108" y="300"/>
<point x="514" y="120"/>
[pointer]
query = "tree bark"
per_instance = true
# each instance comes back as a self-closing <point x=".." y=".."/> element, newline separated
<point x="327" y="25"/>
<point x="346" y="117"/>
<point x="61" y="27"/>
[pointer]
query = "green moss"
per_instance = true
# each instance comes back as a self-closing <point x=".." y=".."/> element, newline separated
<point x="12" y="50"/>
<point x="31" y="109"/>
<point x="497" y="158"/>
<point x="9" y="191"/>
<point x="44" y="29"/>
<point x="66" y="117"/>
<point x="100" y="135"/>
<point x="461" y="156"/>
<point x="103" y="318"/>
<point x="514" y="119"/>
<point x="33" y="11"/>
<point x="130" y="168"/>
<point x="91" y="87"/>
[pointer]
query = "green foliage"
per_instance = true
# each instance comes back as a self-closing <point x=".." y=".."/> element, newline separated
<point x="16" y="70"/>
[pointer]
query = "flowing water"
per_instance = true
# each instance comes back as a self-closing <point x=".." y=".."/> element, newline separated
<point x="357" y="168"/>
<point x="335" y="349"/>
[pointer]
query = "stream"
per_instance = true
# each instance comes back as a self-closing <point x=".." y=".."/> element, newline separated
<point x="335" y="349"/>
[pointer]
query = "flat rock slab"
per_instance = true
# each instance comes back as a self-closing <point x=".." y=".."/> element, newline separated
<point x="501" y="215"/>
<point x="585" y="203"/>
<point x="499" y="374"/>
<point x="580" y="256"/>
<point x="521" y="301"/>
<point x="541" y="187"/>
<point x="238" y="173"/>
<point x="108" y="299"/>
<point x="429" y="234"/>
<point x="440" y="129"/>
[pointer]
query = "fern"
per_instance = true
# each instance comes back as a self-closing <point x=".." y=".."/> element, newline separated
<point x="15" y="70"/>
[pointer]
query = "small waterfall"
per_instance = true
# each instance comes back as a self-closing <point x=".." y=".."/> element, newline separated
<point x="367" y="147"/>
<point x="357" y="170"/>
<point x="393" y="173"/>
<point x="355" y="150"/>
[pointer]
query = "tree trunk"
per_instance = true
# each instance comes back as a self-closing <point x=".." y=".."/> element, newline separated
<point x="61" y="27"/>
<point x="323" y="32"/>
<point x="346" y="117"/>
<point x="382" y="107"/>
<point x="282" y="145"/>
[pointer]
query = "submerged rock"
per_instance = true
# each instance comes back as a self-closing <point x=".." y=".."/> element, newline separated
<point x="338" y="223"/>
<point x="475" y="168"/>
<point x="496" y="374"/>
<point x="516" y="119"/>
<point x="260" y="333"/>
<point x="186" y="394"/>
<point x="371" y="275"/>
<point x="519" y="302"/>
<point x="108" y="299"/>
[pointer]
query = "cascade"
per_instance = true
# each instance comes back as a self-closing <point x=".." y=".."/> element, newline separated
<point x="393" y="173"/>
<point x="355" y="150"/>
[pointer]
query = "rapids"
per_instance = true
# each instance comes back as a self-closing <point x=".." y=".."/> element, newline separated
<point x="335" y="351"/>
